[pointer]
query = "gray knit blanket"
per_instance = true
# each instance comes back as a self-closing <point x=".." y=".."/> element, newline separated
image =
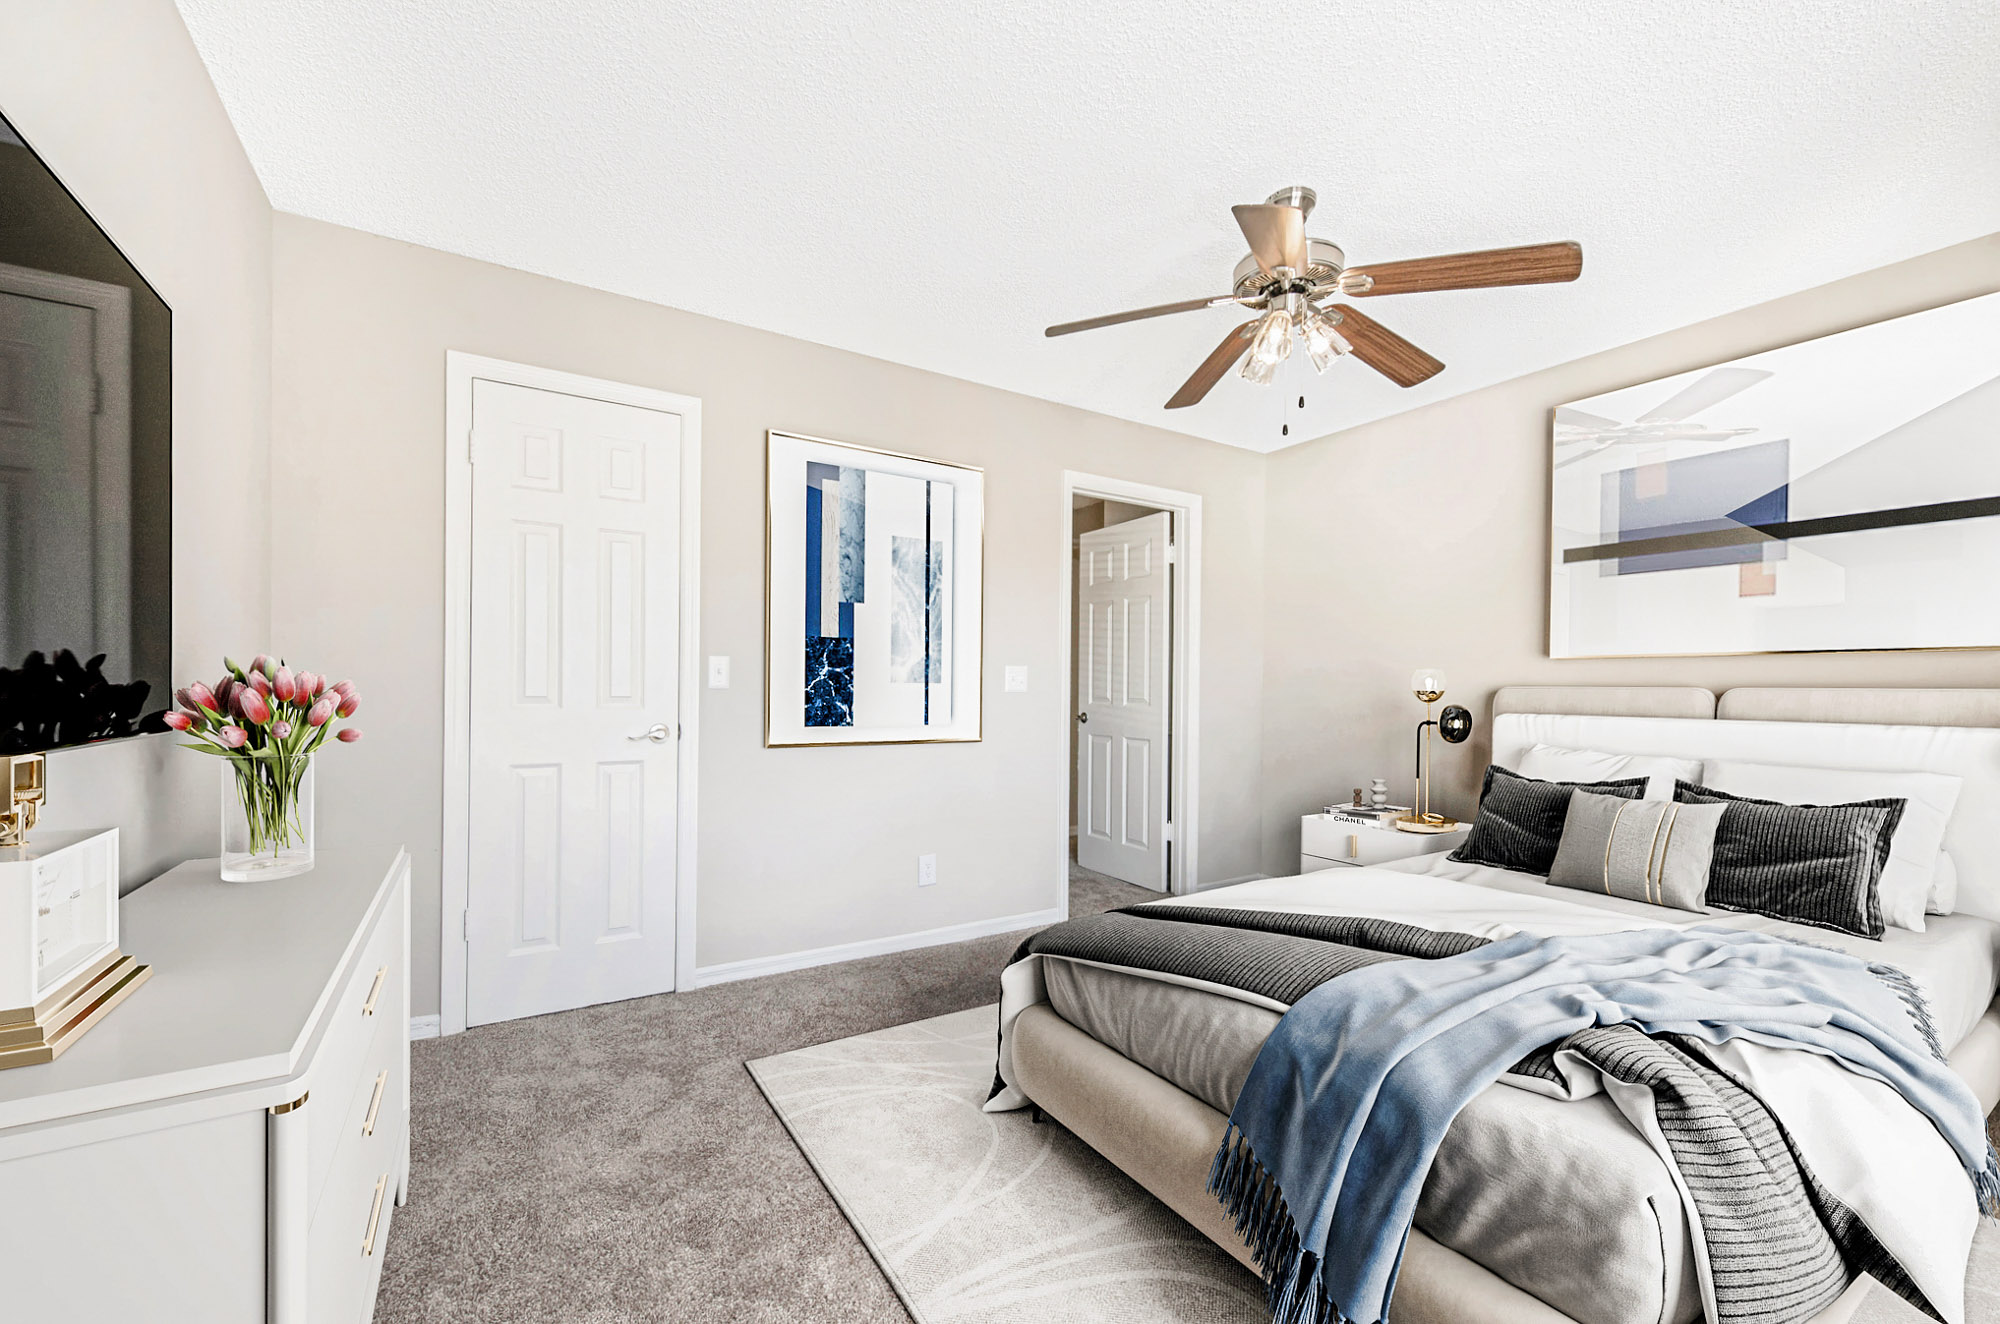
<point x="1780" y="1246"/>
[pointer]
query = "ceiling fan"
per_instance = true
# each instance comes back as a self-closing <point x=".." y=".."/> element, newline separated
<point x="1289" y="276"/>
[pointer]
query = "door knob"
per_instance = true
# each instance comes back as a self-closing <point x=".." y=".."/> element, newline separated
<point x="1083" y="717"/>
<point x="659" y="733"/>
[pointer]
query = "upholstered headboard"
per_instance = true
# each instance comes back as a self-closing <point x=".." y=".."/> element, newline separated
<point x="1956" y="732"/>
<point x="1606" y="700"/>
<point x="1869" y="706"/>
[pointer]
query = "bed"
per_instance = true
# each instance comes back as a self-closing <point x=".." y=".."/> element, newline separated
<point x="1536" y="1210"/>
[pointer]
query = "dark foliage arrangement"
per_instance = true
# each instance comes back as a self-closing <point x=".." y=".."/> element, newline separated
<point x="45" y="703"/>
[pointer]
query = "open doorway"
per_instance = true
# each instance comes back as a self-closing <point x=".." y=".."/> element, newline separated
<point x="1132" y="586"/>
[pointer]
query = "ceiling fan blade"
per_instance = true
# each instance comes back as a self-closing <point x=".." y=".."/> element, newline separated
<point x="1704" y="393"/>
<point x="1535" y="264"/>
<point x="1214" y="367"/>
<point x="1383" y="350"/>
<point x="1277" y="235"/>
<point x="1138" y="314"/>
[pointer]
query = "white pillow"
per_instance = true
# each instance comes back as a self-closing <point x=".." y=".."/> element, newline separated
<point x="1914" y="850"/>
<point x="1552" y="763"/>
<point x="1943" y="899"/>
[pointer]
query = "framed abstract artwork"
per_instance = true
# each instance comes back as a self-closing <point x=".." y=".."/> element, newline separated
<point x="874" y="564"/>
<point x="1838" y="494"/>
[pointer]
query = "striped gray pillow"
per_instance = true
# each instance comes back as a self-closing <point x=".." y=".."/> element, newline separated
<point x="1520" y="820"/>
<point x="1810" y="864"/>
<point x="1656" y="851"/>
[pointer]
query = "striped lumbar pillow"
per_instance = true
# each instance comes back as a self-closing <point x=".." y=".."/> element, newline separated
<point x="1657" y="851"/>
<point x="1811" y="864"/>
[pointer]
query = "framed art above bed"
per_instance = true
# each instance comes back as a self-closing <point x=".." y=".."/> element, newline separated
<point x="1841" y="493"/>
<point x="874" y="566"/>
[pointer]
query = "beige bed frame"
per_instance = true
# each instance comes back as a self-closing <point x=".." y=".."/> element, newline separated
<point x="1164" y="1138"/>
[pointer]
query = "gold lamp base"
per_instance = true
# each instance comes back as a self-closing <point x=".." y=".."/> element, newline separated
<point x="1426" y="823"/>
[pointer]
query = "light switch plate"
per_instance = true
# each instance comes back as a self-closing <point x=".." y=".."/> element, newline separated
<point x="1017" y="680"/>
<point x="718" y="673"/>
<point x="926" y="870"/>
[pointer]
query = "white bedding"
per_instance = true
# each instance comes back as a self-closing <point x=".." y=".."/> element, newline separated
<point x="1955" y="961"/>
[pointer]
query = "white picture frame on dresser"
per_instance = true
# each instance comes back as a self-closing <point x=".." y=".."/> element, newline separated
<point x="230" y="1144"/>
<point x="1328" y="843"/>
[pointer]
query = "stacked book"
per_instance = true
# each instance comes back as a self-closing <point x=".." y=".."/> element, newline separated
<point x="1366" y="815"/>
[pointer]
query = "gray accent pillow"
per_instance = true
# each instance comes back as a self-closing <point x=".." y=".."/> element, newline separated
<point x="1810" y="864"/>
<point x="1656" y="851"/>
<point x="1520" y="820"/>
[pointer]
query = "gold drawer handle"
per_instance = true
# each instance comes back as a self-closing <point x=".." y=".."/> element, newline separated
<point x="375" y="1104"/>
<point x="375" y="1216"/>
<point x="375" y="993"/>
<point x="1354" y="845"/>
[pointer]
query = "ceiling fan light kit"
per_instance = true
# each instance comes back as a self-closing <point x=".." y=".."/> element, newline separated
<point x="1288" y="273"/>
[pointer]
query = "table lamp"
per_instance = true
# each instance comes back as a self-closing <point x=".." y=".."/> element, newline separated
<point x="1454" y="724"/>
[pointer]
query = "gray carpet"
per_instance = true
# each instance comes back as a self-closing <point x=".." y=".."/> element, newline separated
<point x="617" y="1164"/>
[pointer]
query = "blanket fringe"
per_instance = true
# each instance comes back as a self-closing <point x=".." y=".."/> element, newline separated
<point x="1986" y="1182"/>
<point x="1294" y="1289"/>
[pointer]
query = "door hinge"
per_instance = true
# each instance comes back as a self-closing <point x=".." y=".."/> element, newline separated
<point x="1167" y="832"/>
<point x="465" y="925"/>
<point x="1170" y="554"/>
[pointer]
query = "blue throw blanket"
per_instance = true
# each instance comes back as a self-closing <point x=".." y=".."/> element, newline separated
<point x="1335" y="1129"/>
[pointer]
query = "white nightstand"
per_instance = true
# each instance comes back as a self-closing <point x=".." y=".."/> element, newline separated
<point x="1325" y="843"/>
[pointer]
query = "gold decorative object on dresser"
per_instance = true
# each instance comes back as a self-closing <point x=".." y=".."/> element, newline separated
<point x="24" y="777"/>
<point x="60" y="966"/>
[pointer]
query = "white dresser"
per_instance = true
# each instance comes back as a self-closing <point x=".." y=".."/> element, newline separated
<point x="230" y="1143"/>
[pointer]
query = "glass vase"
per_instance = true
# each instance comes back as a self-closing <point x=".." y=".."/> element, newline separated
<point x="267" y="818"/>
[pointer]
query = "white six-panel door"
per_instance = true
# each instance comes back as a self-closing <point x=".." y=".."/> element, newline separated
<point x="1122" y="600"/>
<point x="574" y="702"/>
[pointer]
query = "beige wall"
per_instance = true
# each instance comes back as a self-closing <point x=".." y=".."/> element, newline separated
<point x="800" y="848"/>
<point x="1423" y="540"/>
<point x="115" y="99"/>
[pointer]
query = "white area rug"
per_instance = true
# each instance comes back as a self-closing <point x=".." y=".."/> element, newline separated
<point x="987" y="1217"/>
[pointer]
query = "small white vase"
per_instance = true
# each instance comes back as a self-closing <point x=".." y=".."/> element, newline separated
<point x="267" y="821"/>
<point x="1378" y="792"/>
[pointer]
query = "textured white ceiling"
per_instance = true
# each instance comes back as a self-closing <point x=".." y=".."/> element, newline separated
<point x="932" y="183"/>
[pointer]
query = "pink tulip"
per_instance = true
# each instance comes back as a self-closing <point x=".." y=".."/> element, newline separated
<point x="178" y="721"/>
<point x="199" y="695"/>
<point x="255" y="707"/>
<point x="281" y="728"/>
<point x="232" y="736"/>
<point x="320" y="713"/>
<point x="261" y="662"/>
<point x="319" y="684"/>
<point x="350" y="705"/>
<point x="285" y="684"/>
<point x="223" y="689"/>
<point x="348" y="734"/>
<point x="344" y="688"/>
<point x="260" y="683"/>
<point x="305" y="684"/>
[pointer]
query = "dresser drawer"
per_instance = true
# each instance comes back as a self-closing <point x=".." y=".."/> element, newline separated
<point x="350" y="1229"/>
<point x="367" y="1013"/>
<point x="1333" y="842"/>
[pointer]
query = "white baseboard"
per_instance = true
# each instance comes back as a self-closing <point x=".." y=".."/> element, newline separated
<point x="1231" y="882"/>
<point x="423" y="1027"/>
<point x="854" y="951"/>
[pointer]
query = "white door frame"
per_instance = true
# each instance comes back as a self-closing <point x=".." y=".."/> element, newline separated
<point x="110" y="307"/>
<point x="1183" y="662"/>
<point x="461" y="371"/>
